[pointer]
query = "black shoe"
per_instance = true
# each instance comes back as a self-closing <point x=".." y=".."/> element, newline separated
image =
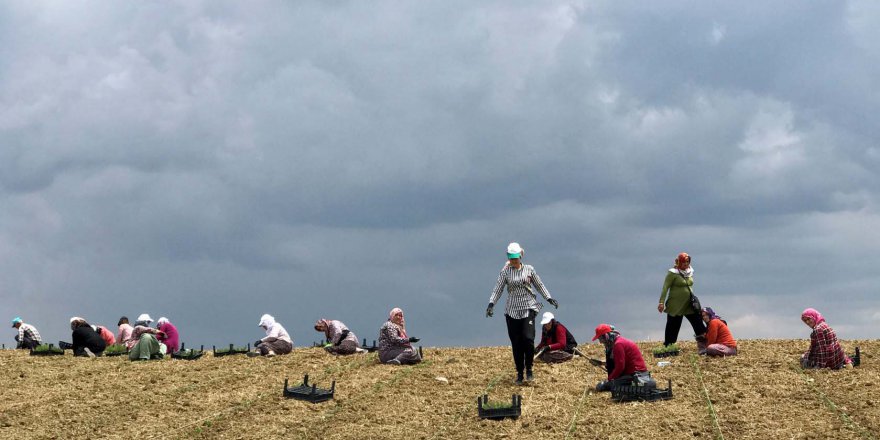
<point x="519" y="379"/>
<point x="529" y="376"/>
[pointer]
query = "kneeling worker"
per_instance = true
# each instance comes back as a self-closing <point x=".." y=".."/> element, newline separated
<point x="624" y="359"/>
<point x="557" y="343"/>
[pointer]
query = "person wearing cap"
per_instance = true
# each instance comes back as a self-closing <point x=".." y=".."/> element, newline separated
<point x="395" y="347"/>
<point x="277" y="341"/>
<point x="124" y="334"/>
<point x="557" y="343"/>
<point x="340" y="340"/>
<point x="144" y="344"/>
<point x="168" y="335"/>
<point x="86" y="341"/>
<point x="28" y="337"/>
<point x="623" y="358"/>
<point x="825" y="349"/>
<point x="675" y="300"/>
<point x="521" y="309"/>
<point x="719" y="341"/>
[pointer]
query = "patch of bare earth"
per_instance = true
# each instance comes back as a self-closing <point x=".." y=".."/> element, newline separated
<point x="759" y="394"/>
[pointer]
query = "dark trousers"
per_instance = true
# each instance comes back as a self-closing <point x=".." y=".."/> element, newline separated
<point x="673" y="326"/>
<point x="522" y="340"/>
<point x="27" y="343"/>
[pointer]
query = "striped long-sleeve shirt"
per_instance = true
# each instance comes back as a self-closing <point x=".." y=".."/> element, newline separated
<point x="520" y="297"/>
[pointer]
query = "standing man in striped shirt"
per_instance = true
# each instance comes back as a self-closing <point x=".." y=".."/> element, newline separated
<point x="521" y="309"/>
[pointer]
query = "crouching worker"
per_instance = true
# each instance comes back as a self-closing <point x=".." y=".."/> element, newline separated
<point x="825" y="350"/>
<point x="144" y="345"/>
<point x="168" y="334"/>
<point x="277" y="341"/>
<point x="624" y="359"/>
<point x="719" y="341"/>
<point x="106" y="334"/>
<point x="28" y="337"/>
<point x="86" y="341"/>
<point x="557" y="343"/>
<point x="395" y="347"/>
<point x="340" y="339"/>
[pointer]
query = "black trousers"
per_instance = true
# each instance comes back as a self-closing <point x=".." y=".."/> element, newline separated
<point x="522" y="340"/>
<point x="673" y="326"/>
<point x="27" y="343"/>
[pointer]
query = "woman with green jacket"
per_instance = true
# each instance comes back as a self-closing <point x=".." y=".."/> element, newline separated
<point x="675" y="300"/>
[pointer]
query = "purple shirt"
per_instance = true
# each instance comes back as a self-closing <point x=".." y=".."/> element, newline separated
<point x="171" y="340"/>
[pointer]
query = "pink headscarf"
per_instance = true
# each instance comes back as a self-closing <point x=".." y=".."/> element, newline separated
<point x="813" y="314"/>
<point x="323" y="322"/>
<point x="402" y="324"/>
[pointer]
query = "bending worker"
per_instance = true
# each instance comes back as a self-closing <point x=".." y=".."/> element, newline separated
<point x="624" y="359"/>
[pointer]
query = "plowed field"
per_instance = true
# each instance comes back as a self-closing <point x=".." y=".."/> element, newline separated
<point x="759" y="394"/>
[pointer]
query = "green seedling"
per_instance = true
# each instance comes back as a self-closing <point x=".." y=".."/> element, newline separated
<point x="48" y="348"/>
<point x="666" y="349"/>
<point x="115" y="349"/>
<point x="497" y="405"/>
<point x="232" y="350"/>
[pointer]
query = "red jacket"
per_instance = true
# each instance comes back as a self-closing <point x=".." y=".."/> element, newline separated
<point x="555" y="341"/>
<point x="627" y="358"/>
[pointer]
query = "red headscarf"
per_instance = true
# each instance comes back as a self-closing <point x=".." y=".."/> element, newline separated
<point x="813" y="314"/>
<point x="682" y="261"/>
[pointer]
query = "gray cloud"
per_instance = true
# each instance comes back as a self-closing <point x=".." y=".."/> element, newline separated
<point x="212" y="162"/>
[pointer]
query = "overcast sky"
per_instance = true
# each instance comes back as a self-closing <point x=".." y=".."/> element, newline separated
<point x="214" y="161"/>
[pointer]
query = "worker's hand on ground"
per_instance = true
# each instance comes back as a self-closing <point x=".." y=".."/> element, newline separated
<point x="660" y="307"/>
<point x="489" y="311"/>
<point x="257" y="344"/>
<point x="414" y="339"/>
<point x="554" y="302"/>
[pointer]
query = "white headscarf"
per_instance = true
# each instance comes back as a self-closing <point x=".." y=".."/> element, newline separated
<point x="267" y="321"/>
<point x="162" y="320"/>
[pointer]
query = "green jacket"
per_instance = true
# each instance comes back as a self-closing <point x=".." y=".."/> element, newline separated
<point x="676" y="296"/>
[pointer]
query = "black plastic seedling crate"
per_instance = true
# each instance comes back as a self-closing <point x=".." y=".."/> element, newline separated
<point x="630" y="393"/>
<point x="309" y="393"/>
<point x="486" y="412"/>
<point x="369" y="349"/>
<point x="188" y="355"/>
<point x="232" y="350"/>
<point x="856" y="358"/>
<point x="51" y="351"/>
<point x="666" y="354"/>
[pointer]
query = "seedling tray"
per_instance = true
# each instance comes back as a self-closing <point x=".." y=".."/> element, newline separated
<point x="630" y="393"/>
<point x="309" y="393"/>
<point x="188" y="354"/>
<point x="369" y="349"/>
<point x="231" y="351"/>
<point x="50" y="350"/>
<point x="493" y="412"/>
<point x="107" y="351"/>
<point x="666" y="354"/>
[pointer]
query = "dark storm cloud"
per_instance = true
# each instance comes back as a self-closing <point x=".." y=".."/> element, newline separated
<point x="212" y="162"/>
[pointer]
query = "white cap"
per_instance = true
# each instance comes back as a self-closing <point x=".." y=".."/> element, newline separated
<point x="145" y="317"/>
<point x="514" y="250"/>
<point x="76" y="318"/>
<point x="547" y="318"/>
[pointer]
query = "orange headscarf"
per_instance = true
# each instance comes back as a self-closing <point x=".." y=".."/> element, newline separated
<point x="682" y="261"/>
